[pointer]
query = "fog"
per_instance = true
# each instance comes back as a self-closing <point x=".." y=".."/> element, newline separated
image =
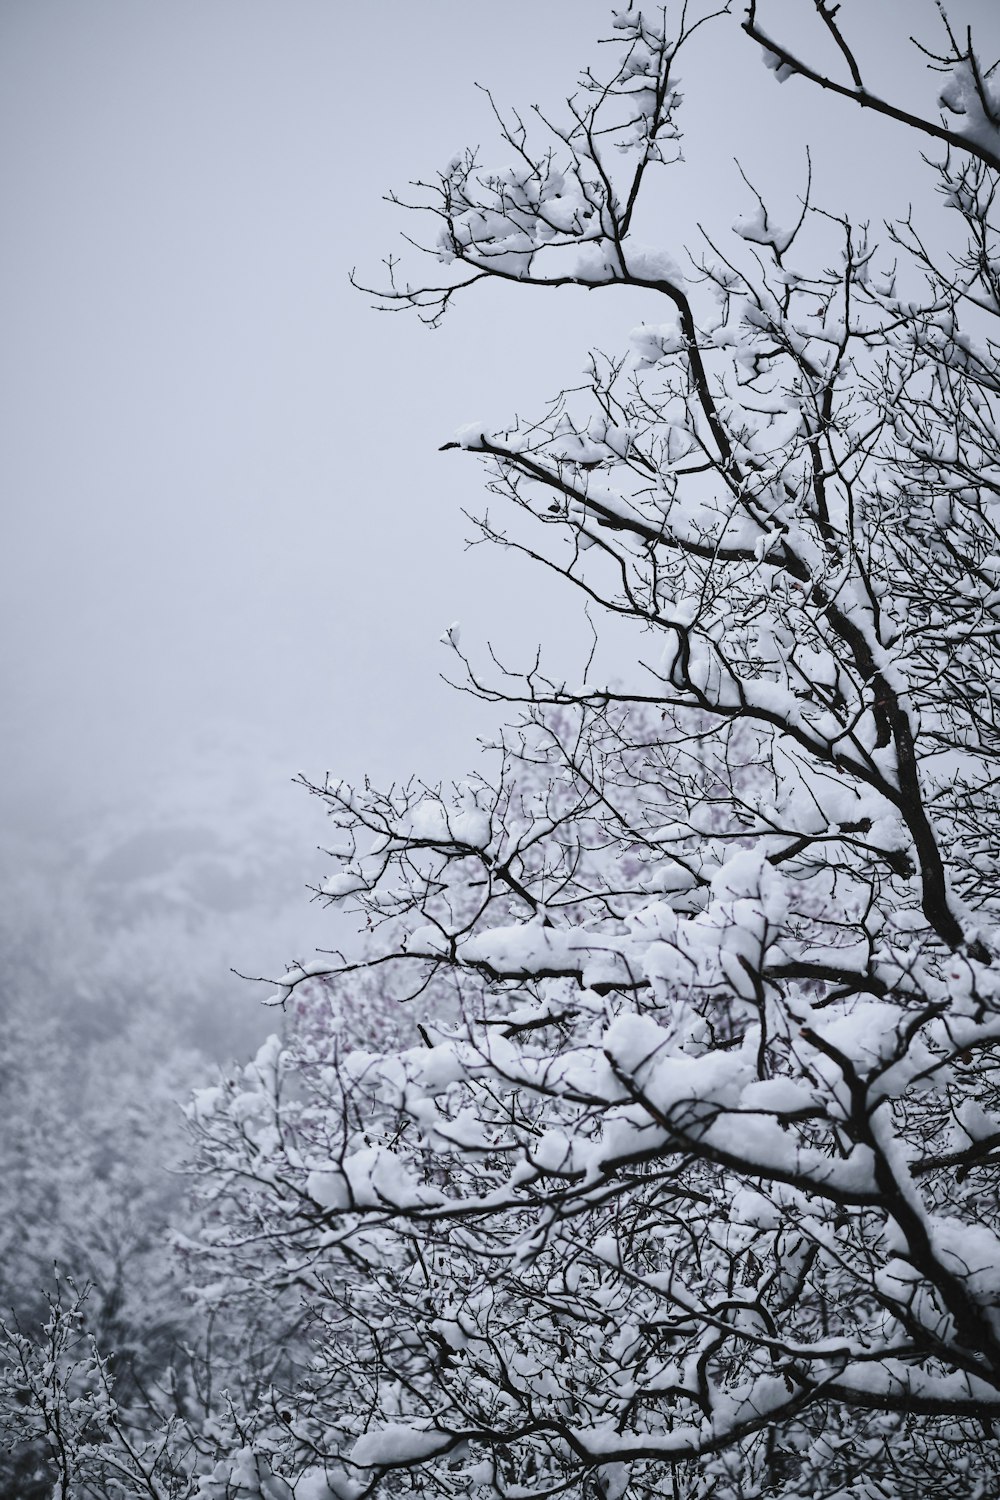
<point x="231" y="543"/>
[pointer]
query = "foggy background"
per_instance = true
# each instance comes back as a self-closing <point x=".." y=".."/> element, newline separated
<point x="230" y="545"/>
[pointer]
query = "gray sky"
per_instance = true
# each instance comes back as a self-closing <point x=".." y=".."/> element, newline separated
<point x="225" y="512"/>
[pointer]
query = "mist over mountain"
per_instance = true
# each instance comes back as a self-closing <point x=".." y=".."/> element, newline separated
<point x="155" y="895"/>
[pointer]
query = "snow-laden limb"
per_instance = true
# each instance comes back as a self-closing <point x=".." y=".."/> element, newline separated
<point x="651" y="1144"/>
<point x="972" y="96"/>
<point x="971" y="122"/>
<point x="559" y="215"/>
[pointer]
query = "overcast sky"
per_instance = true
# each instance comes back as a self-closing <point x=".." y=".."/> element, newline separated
<point x="226" y="518"/>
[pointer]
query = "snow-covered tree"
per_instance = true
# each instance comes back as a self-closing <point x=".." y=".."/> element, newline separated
<point x="91" y="1128"/>
<point x="688" y="1184"/>
<point x="678" y="1174"/>
<point x="110" y="930"/>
